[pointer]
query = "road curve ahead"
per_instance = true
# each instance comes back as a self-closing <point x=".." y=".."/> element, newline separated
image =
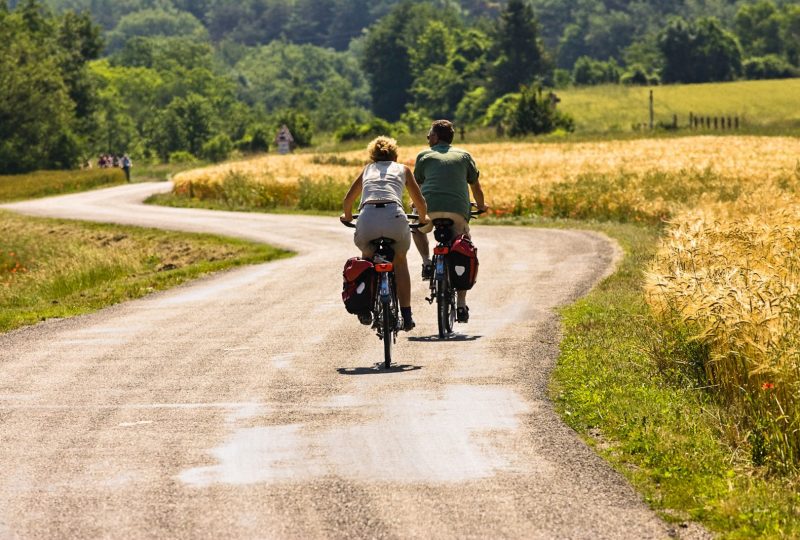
<point x="248" y="404"/>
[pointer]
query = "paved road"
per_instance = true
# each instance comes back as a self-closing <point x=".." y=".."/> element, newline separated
<point x="248" y="404"/>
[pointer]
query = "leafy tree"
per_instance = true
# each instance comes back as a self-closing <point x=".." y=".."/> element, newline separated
<point x="790" y="30"/>
<point x="155" y="22"/>
<point x="299" y="125"/>
<point x="519" y="54"/>
<point x="535" y="114"/>
<point x="771" y="66"/>
<point x="636" y="75"/>
<point x="218" y="148"/>
<point x="588" y="71"/>
<point x="324" y="84"/>
<point x="472" y="106"/>
<point x="43" y="82"/>
<point x="758" y="26"/>
<point x="699" y="52"/>
<point x="390" y="81"/>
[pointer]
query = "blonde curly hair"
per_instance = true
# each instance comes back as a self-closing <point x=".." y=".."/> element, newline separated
<point x="382" y="149"/>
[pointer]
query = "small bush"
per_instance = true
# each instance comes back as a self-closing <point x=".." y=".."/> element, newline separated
<point x="368" y="130"/>
<point x="535" y="114"/>
<point x="771" y="66"/>
<point x="181" y="156"/>
<point x="218" y="148"/>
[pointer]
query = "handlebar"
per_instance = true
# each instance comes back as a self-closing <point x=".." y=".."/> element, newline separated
<point x="409" y="216"/>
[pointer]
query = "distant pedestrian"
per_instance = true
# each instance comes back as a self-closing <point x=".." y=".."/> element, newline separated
<point x="126" y="164"/>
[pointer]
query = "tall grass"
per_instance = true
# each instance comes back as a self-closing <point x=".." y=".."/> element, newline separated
<point x="45" y="183"/>
<point x="731" y="273"/>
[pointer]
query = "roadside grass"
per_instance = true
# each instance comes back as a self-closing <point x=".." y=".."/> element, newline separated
<point x="45" y="183"/>
<point x="57" y="268"/>
<point x="612" y="108"/>
<point x="670" y="438"/>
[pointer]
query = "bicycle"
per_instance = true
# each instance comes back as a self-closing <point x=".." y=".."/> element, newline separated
<point x="442" y="292"/>
<point x="385" y="309"/>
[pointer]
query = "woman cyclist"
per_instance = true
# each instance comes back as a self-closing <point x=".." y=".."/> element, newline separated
<point x="381" y="213"/>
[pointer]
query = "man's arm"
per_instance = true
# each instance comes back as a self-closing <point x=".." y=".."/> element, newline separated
<point x="477" y="194"/>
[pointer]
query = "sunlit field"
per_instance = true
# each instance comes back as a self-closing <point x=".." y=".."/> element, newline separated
<point x="758" y="104"/>
<point x="636" y="180"/>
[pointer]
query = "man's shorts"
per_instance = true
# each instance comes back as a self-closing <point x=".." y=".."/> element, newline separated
<point x="386" y="219"/>
<point x="460" y="225"/>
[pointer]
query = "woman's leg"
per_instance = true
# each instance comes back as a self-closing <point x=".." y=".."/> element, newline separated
<point x="402" y="279"/>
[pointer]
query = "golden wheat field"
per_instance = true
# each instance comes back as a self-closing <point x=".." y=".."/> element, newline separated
<point x="731" y="271"/>
<point x="509" y="170"/>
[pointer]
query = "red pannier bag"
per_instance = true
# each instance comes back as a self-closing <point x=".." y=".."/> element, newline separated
<point x="463" y="263"/>
<point x="358" y="288"/>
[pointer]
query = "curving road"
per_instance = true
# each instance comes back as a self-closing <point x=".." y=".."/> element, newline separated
<point x="248" y="405"/>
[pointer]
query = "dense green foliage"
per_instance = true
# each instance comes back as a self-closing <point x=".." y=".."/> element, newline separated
<point x="207" y="78"/>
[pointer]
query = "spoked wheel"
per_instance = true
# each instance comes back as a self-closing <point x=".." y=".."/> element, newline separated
<point x="387" y="327"/>
<point x="445" y="308"/>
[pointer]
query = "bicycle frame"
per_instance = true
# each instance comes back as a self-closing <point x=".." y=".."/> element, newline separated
<point x="386" y="309"/>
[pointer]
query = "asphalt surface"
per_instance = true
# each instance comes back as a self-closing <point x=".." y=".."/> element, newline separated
<point x="249" y="404"/>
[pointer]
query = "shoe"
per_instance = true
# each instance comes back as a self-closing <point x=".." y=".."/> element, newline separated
<point x="408" y="325"/>
<point x="365" y="318"/>
<point x="427" y="270"/>
<point x="462" y="314"/>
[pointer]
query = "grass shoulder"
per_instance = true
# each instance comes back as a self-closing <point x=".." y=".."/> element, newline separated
<point x="669" y="438"/>
<point x="55" y="268"/>
<point x="46" y="183"/>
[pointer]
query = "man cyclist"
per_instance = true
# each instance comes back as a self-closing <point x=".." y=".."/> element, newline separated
<point x="445" y="175"/>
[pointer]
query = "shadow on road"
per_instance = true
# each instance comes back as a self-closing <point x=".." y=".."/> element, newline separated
<point x="377" y="369"/>
<point x="436" y="338"/>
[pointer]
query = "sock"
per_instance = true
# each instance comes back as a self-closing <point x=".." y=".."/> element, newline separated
<point x="406" y="313"/>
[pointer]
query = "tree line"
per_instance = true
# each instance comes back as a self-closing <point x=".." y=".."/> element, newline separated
<point x="182" y="80"/>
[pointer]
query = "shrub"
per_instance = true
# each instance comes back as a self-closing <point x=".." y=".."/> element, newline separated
<point x="535" y="114"/>
<point x="635" y="76"/>
<point x="588" y="71"/>
<point x="368" y="130"/>
<point x="771" y="66"/>
<point x="218" y="148"/>
<point x="182" y="156"/>
<point x="299" y="125"/>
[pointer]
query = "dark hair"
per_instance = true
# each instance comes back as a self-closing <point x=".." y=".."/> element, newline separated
<point x="444" y="130"/>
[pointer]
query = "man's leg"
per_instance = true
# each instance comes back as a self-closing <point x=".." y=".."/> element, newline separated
<point x="424" y="249"/>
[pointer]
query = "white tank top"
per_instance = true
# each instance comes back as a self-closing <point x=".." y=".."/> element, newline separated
<point x="383" y="181"/>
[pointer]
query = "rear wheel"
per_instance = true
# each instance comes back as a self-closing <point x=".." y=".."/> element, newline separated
<point x="387" y="327"/>
<point x="446" y="314"/>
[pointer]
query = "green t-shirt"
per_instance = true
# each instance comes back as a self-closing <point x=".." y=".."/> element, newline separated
<point x="443" y="173"/>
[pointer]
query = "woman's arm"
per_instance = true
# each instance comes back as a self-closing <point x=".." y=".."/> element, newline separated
<point x="416" y="196"/>
<point x="350" y="198"/>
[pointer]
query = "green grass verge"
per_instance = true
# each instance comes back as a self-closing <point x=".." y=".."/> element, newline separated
<point x="45" y="183"/>
<point x="55" y="268"/>
<point x="667" y="437"/>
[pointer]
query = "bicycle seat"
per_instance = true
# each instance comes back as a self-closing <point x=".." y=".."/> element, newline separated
<point x="443" y="231"/>
<point x="442" y="222"/>
<point x="383" y="247"/>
